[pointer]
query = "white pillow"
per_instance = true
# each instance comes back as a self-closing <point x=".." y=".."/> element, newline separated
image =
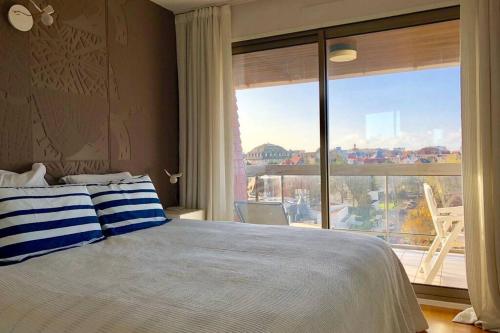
<point x="36" y="221"/>
<point x="95" y="179"/>
<point x="127" y="205"/>
<point x="33" y="178"/>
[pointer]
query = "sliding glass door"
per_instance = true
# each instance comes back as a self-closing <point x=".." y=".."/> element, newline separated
<point x="278" y="124"/>
<point x="395" y="125"/>
<point x="357" y="128"/>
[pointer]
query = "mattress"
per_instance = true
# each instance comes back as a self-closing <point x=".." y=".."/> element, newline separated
<point x="190" y="276"/>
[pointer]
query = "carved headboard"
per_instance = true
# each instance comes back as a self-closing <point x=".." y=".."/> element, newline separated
<point x="93" y="93"/>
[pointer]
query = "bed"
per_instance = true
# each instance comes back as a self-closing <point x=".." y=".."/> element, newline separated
<point x="190" y="276"/>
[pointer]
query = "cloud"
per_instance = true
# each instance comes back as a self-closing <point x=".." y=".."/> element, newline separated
<point x="411" y="141"/>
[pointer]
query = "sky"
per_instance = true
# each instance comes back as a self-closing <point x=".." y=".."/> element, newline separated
<point x="402" y="110"/>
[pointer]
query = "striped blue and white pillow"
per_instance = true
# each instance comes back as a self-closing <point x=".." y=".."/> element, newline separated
<point x="127" y="205"/>
<point x="37" y="221"/>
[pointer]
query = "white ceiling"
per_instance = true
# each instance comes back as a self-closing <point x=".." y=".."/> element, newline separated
<point x="181" y="6"/>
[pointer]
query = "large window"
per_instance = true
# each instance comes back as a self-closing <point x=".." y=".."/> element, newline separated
<point x="394" y="127"/>
<point x="278" y="114"/>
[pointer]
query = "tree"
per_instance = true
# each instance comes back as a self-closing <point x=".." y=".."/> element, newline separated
<point x="337" y="186"/>
<point x="447" y="190"/>
<point x="358" y="187"/>
<point x="373" y="184"/>
<point x="419" y="221"/>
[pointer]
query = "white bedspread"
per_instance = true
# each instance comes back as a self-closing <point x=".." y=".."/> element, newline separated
<point x="192" y="276"/>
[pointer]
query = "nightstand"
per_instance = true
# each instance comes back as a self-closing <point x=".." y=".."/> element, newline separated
<point x="185" y="214"/>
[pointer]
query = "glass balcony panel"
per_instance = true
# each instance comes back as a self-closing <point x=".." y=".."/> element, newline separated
<point x="302" y="200"/>
<point x="269" y="188"/>
<point x="357" y="203"/>
<point x="408" y="209"/>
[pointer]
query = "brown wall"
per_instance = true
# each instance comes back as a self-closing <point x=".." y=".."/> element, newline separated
<point x="95" y="92"/>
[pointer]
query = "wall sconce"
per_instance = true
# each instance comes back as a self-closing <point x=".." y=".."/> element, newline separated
<point x="173" y="178"/>
<point x="21" y="18"/>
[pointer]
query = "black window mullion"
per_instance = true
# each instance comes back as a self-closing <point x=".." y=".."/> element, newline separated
<point x="323" y="130"/>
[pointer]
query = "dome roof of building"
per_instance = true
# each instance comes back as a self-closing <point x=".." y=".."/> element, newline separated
<point x="269" y="149"/>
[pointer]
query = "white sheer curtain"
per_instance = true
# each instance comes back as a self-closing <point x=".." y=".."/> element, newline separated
<point x="206" y="102"/>
<point x="480" y="53"/>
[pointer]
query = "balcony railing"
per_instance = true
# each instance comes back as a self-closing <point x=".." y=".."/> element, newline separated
<point x="387" y="176"/>
<point x="436" y="169"/>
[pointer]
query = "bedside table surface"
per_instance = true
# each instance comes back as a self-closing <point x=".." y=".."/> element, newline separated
<point x="182" y="211"/>
<point x="185" y="213"/>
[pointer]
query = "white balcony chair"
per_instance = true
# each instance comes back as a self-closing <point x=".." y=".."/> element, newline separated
<point x="270" y="213"/>
<point x="448" y="222"/>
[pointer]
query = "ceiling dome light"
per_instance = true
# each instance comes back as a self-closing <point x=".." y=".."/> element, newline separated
<point x="342" y="53"/>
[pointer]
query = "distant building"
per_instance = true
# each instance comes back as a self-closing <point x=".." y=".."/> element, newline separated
<point x="294" y="160"/>
<point x="433" y="151"/>
<point x="432" y="154"/>
<point x="274" y="154"/>
<point x="312" y="157"/>
<point x="268" y="154"/>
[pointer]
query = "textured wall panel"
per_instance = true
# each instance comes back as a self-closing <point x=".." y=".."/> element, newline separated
<point x="15" y="136"/>
<point x="15" y="121"/>
<point x="69" y="78"/>
<point x="70" y="56"/>
<point x="60" y="169"/>
<point x="83" y="97"/>
<point x="144" y="109"/>
<point x="69" y="127"/>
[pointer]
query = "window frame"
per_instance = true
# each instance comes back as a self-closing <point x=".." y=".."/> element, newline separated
<point x="321" y="37"/>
